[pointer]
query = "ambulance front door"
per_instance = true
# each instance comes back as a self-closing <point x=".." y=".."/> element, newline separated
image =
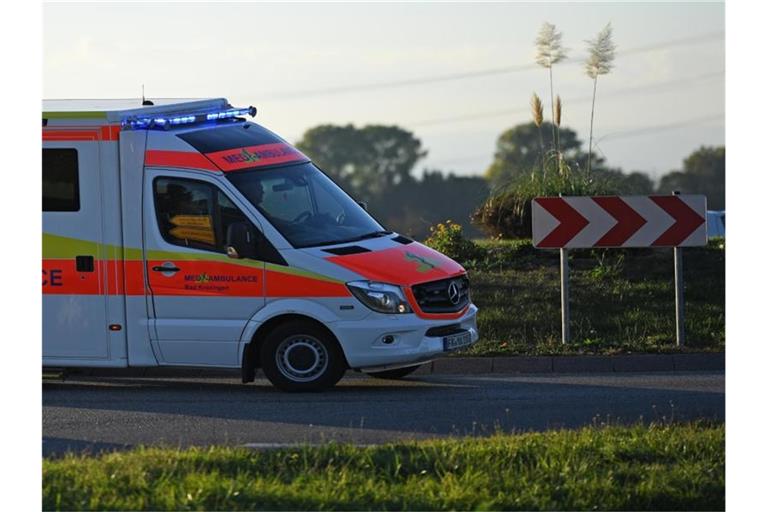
<point x="201" y="297"/>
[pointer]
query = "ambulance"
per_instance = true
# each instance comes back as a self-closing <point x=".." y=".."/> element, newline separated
<point x="179" y="233"/>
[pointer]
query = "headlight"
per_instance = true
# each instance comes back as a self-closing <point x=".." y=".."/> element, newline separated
<point x="380" y="297"/>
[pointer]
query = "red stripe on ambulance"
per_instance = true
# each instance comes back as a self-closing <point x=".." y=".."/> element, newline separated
<point x="184" y="159"/>
<point x="256" y="156"/>
<point x="280" y="284"/>
<point x="196" y="278"/>
<point x="94" y="134"/>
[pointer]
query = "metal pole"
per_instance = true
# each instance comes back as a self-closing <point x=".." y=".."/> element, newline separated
<point x="679" y="294"/>
<point x="565" y="306"/>
<point x="679" y="297"/>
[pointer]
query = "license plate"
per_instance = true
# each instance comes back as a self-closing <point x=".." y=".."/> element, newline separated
<point x="456" y="341"/>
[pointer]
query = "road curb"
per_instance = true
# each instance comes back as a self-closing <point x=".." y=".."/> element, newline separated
<point x="622" y="363"/>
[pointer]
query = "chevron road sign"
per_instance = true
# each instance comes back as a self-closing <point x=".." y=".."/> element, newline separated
<point x="619" y="221"/>
<point x="613" y="221"/>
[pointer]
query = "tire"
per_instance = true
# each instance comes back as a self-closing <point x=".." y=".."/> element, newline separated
<point x="300" y="356"/>
<point x="397" y="373"/>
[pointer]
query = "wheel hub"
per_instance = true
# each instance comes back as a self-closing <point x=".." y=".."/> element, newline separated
<point x="301" y="358"/>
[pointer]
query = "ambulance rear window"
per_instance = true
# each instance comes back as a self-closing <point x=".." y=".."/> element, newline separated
<point x="61" y="187"/>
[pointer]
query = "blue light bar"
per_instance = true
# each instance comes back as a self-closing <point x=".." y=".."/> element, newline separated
<point x="188" y="118"/>
<point x="231" y="113"/>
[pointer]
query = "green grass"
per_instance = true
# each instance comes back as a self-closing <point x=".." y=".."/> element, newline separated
<point x="661" y="467"/>
<point x="621" y="300"/>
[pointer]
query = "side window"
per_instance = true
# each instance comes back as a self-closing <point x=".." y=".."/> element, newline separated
<point x="229" y="214"/>
<point x="61" y="184"/>
<point x="185" y="212"/>
<point x="195" y="214"/>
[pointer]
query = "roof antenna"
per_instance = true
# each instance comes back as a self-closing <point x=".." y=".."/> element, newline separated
<point x="144" y="101"/>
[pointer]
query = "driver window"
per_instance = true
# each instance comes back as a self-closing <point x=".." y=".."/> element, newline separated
<point x="195" y="214"/>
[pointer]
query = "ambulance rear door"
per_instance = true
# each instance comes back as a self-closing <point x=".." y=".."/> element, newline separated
<point x="77" y="269"/>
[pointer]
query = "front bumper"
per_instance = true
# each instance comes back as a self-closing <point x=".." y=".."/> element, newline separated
<point x="365" y="347"/>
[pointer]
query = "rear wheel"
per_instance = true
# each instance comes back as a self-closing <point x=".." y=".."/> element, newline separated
<point x="300" y="356"/>
<point x="397" y="373"/>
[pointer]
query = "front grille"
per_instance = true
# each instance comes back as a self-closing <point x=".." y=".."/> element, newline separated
<point x="433" y="297"/>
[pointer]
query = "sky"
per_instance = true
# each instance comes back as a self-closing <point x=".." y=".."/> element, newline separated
<point x="455" y="74"/>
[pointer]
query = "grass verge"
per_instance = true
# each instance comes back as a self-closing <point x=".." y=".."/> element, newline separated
<point x="622" y="301"/>
<point x="661" y="467"/>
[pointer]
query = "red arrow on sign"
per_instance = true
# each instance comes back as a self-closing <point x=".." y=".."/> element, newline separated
<point x="628" y="221"/>
<point x="686" y="220"/>
<point x="571" y="221"/>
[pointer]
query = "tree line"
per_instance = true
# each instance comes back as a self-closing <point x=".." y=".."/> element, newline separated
<point x="376" y="164"/>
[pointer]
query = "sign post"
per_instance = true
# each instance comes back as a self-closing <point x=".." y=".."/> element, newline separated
<point x="679" y="294"/>
<point x="565" y="296"/>
<point x="565" y="290"/>
<point x="617" y="222"/>
<point x="679" y="298"/>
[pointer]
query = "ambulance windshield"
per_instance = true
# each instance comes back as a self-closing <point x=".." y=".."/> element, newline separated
<point x="305" y="206"/>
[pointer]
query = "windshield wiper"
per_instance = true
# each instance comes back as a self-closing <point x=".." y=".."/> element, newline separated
<point x="374" y="234"/>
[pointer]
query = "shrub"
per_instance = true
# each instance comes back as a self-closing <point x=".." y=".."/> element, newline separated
<point x="448" y="238"/>
<point x="607" y="268"/>
<point x="507" y="212"/>
<point x="716" y="242"/>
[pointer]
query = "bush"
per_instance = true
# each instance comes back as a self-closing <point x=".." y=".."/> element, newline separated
<point x="448" y="238"/>
<point x="716" y="242"/>
<point x="507" y="212"/>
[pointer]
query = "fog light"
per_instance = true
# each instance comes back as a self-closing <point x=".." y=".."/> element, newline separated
<point x="388" y="339"/>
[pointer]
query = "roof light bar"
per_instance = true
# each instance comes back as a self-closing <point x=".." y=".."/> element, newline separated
<point x="251" y="111"/>
<point x="139" y="123"/>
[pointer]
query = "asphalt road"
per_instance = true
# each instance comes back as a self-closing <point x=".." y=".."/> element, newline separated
<point x="96" y="414"/>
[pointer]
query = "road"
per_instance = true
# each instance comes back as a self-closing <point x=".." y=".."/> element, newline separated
<point x="97" y="414"/>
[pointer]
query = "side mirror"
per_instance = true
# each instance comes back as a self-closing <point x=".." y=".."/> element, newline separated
<point x="241" y="241"/>
<point x="363" y="205"/>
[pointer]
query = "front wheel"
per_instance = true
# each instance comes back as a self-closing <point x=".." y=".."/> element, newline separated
<point x="397" y="373"/>
<point x="300" y="356"/>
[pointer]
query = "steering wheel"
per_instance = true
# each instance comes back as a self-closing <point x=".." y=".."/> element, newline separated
<point x="302" y="216"/>
<point x="341" y="217"/>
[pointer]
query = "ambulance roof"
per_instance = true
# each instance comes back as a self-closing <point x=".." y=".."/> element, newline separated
<point x="118" y="109"/>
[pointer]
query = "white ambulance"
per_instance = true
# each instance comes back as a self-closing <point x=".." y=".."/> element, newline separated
<point x="176" y="233"/>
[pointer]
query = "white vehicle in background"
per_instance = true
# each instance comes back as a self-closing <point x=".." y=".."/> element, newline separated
<point x="715" y="223"/>
<point x="180" y="234"/>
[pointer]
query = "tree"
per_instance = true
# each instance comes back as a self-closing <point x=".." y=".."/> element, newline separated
<point x="703" y="173"/>
<point x="368" y="161"/>
<point x="633" y="184"/>
<point x="375" y="164"/>
<point x="637" y="183"/>
<point x="412" y="207"/>
<point x="518" y="151"/>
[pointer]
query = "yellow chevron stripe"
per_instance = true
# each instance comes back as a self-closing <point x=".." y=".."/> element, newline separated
<point x="62" y="247"/>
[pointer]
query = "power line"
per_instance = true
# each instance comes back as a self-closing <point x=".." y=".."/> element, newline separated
<point x="654" y="129"/>
<point x="700" y="38"/>
<point x="403" y="83"/>
<point x="614" y="135"/>
<point x="661" y="127"/>
<point x="581" y="99"/>
<point x="482" y="72"/>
